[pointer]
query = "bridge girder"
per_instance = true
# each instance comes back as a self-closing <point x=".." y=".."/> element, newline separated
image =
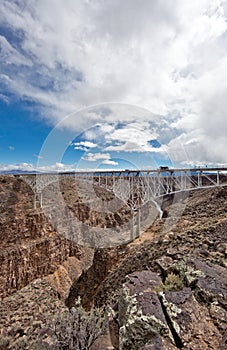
<point x="137" y="187"/>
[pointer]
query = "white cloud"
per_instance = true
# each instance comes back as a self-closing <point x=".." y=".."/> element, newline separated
<point x="93" y="39"/>
<point x="57" y="167"/>
<point x="93" y="157"/>
<point x="31" y="167"/>
<point x="22" y="166"/>
<point x="170" y="59"/>
<point x="84" y="145"/>
<point x="133" y="137"/>
<point x="11" y="148"/>
<point x="105" y="158"/>
<point x="9" y="55"/>
<point x="109" y="162"/>
<point x="4" y="98"/>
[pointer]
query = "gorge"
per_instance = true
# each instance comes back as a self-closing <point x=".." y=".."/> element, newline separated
<point x="166" y="289"/>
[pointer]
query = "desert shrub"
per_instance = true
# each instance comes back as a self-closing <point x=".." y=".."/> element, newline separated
<point x="172" y="283"/>
<point x="78" y="328"/>
<point x="4" y="342"/>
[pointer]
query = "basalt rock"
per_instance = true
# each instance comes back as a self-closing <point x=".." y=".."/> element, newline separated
<point x="31" y="245"/>
<point x="190" y="321"/>
<point x="23" y="263"/>
<point x="152" y="316"/>
<point x="209" y="281"/>
<point x="88" y="283"/>
<point x="142" y="322"/>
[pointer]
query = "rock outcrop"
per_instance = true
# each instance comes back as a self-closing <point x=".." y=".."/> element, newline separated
<point x="152" y="318"/>
<point x="141" y="318"/>
<point x="87" y="285"/>
<point x="21" y="264"/>
<point x="31" y="248"/>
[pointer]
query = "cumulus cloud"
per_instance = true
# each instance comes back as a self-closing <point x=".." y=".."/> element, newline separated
<point x="92" y="157"/>
<point x="132" y="137"/>
<point x="11" y="148"/>
<point x="105" y="158"/>
<point x="84" y="145"/>
<point x="57" y="167"/>
<point x="109" y="162"/>
<point x="167" y="57"/>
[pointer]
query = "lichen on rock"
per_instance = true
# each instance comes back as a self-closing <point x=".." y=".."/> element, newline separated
<point x="140" y="313"/>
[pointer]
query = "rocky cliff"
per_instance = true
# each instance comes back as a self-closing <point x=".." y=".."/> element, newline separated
<point x="30" y="247"/>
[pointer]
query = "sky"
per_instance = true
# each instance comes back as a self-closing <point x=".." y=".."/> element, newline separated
<point x="112" y="84"/>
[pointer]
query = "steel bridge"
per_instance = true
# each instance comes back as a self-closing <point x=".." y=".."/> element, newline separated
<point x="136" y="187"/>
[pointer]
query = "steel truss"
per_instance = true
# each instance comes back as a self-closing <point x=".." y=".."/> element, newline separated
<point x="136" y="187"/>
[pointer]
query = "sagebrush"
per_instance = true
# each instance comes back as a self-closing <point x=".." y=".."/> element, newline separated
<point x="78" y="329"/>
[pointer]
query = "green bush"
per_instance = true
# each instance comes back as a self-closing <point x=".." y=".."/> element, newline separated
<point x="172" y="283"/>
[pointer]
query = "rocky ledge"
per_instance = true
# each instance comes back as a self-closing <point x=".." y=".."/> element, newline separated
<point x="186" y="311"/>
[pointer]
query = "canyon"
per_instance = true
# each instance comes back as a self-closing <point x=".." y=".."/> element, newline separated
<point x="165" y="289"/>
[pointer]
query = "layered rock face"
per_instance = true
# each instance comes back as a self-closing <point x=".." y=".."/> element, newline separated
<point x="31" y="248"/>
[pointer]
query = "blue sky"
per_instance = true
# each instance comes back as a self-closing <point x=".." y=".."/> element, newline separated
<point x="21" y="134"/>
<point x="112" y="84"/>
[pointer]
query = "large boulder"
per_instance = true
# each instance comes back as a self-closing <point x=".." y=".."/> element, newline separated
<point x="190" y="321"/>
<point x="141" y="318"/>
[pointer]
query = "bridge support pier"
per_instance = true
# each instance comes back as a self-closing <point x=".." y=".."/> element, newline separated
<point x="132" y="226"/>
<point x="134" y="234"/>
<point x="138" y="223"/>
<point x="38" y="198"/>
<point x="34" y="201"/>
<point x="41" y="199"/>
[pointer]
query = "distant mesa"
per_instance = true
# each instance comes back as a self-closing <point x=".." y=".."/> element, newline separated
<point x="17" y="172"/>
